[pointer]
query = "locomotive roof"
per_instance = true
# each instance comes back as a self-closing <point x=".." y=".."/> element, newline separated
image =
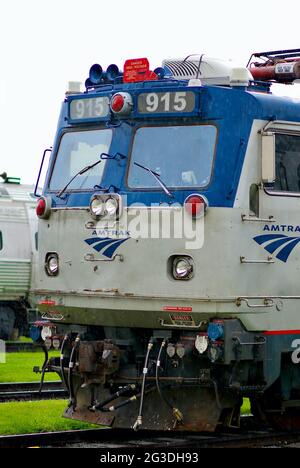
<point x="17" y="192"/>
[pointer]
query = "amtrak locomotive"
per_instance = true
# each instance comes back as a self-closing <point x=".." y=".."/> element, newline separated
<point x="169" y="251"/>
<point x="18" y="255"/>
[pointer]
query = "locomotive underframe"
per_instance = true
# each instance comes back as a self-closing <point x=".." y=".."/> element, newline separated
<point x="189" y="381"/>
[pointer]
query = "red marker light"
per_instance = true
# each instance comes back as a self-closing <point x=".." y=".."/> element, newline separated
<point x="117" y="103"/>
<point x="196" y="205"/>
<point x="41" y="207"/>
<point x="121" y="104"/>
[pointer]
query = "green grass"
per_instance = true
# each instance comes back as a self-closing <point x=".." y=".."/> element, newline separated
<point x="246" y="407"/>
<point x="18" y="367"/>
<point x="36" y="416"/>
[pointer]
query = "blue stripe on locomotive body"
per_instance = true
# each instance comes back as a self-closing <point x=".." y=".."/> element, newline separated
<point x="231" y="110"/>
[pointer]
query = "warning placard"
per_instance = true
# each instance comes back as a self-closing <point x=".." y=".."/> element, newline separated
<point x="136" y="70"/>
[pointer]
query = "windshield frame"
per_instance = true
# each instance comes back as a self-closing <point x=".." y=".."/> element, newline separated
<point x="171" y="187"/>
<point x="69" y="130"/>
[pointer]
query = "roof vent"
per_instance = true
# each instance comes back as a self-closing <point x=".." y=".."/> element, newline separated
<point x="210" y="71"/>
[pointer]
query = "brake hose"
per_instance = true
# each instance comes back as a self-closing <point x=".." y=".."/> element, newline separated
<point x="62" y="370"/>
<point x="176" y="412"/>
<point x="46" y="361"/>
<point x="129" y="400"/>
<point x="138" y="423"/>
<point x="114" y="396"/>
<point x="71" y="366"/>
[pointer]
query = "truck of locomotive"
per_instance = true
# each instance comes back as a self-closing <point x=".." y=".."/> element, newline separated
<point x="187" y="365"/>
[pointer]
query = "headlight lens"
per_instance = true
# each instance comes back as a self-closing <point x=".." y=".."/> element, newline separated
<point x="102" y="206"/>
<point x="52" y="265"/>
<point x="97" y="207"/>
<point x="111" y="206"/>
<point x="183" y="268"/>
<point x="46" y="333"/>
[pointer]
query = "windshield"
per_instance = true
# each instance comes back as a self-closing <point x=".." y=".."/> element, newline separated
<point x="181" y="155"/>
<point x="76" y="151"/>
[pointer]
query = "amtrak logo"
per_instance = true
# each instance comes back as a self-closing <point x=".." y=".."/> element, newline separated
<point x="284" y="244"/>
<point x="105" y="246"/>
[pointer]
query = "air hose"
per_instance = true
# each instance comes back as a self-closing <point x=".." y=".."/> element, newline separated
<point x="138" y="423"/>
<point x="100" y="406"/>
<point x="71" y="367"/>
<point x="176" y="412"/>
<point x="129" y="400"/>
<point x="46" y="361"/>
<point x="62" y="370"/>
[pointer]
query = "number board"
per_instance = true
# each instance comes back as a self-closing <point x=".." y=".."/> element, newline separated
<point x="170" y="102"/>
<point x="86" y="109"/>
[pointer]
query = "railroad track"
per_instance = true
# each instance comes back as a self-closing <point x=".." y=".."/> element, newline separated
<point x="109" y="439"/>
<point x="29" y="391"/>
<point x="19" y="346"/>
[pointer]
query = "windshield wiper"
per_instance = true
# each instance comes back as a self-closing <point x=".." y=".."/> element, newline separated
<point x="156" y="177"/>
<point x="82" y="171"/>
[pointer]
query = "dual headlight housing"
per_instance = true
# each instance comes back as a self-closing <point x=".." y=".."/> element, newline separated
<point x="105" y="206"/>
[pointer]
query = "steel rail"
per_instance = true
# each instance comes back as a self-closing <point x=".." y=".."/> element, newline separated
<point x="117" y="438"/>
<point x="28" y="391"/>
<point x="15" y="346"/>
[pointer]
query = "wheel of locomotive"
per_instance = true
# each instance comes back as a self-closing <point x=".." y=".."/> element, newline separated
<point x="271" y="409"/>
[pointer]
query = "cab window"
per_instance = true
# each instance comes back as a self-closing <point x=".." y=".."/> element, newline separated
<point x="76" y="151"/>
<point x="287" y="158"/>
<point x="182" y="156"/>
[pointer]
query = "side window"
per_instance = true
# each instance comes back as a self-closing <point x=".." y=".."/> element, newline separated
<point x="287" y="163"/>
<point x="1" y="241"/>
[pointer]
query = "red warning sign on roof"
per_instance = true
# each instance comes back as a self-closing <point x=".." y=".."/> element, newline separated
<point x="137" y="70"/>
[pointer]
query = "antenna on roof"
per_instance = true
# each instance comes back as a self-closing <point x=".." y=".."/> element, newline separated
<point x="10" y="180"/>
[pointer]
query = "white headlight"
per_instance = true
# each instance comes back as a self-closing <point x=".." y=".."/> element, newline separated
<point x="46" y="333"/>
<point x="97" y="207"/>
<point x="183" y="268"/>
<point x="111" y="206"/>
<point x="52" y="264"/>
